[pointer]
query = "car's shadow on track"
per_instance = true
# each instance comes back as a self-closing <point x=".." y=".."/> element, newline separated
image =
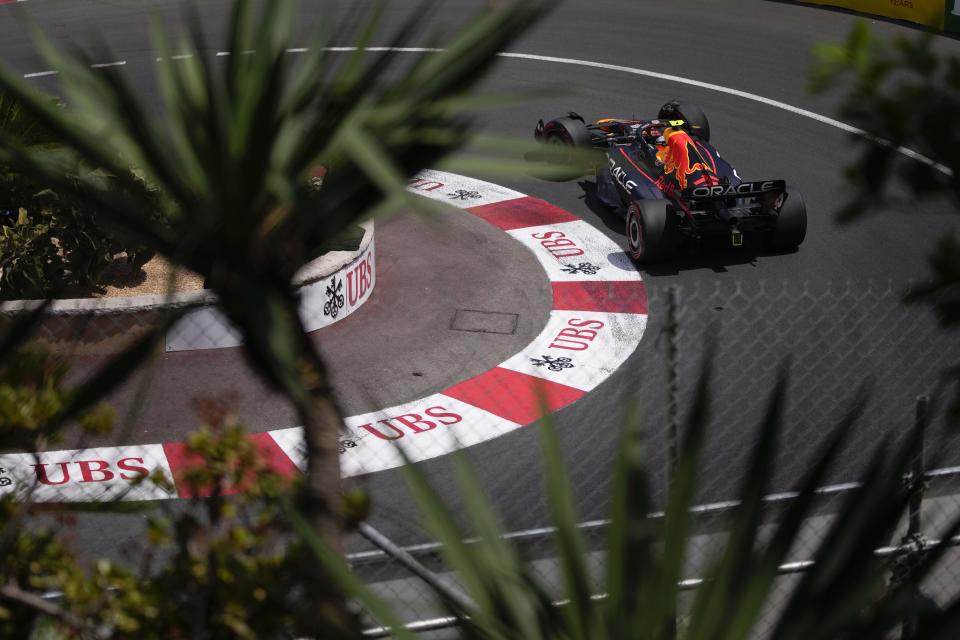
<point x="713" y="255"/>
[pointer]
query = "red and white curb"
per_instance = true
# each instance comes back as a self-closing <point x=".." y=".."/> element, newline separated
<point x="598" y="318"/>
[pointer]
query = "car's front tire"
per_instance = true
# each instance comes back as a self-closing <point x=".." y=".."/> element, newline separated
<point x="567" y="131"/>
<point x="653" y="232"/>
<point x="561" y="134"/>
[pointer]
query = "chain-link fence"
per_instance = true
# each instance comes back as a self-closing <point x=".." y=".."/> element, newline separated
<point x="836" y="343"/>
<point x="832" y="341"/>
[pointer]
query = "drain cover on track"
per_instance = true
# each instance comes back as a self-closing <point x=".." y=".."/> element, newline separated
<point x="485" y="321"/>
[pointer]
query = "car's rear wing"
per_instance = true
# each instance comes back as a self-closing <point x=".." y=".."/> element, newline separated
<point x="742" y="190"/>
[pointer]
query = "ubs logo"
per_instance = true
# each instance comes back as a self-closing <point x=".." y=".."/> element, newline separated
<point x="86" y="471"/>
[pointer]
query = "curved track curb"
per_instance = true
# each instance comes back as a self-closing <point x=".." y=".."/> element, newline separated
<point x="598" y="317"/>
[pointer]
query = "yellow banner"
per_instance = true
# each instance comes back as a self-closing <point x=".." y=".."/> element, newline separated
<point x="928" y="12"/>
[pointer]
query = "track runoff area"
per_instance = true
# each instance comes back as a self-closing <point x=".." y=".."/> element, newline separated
<point x="597" y="320"/>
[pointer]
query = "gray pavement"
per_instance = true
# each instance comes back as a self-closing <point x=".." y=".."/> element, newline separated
<point x="402" y="345"/>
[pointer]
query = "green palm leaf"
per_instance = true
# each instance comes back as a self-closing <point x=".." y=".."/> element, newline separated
<point x="837" y="597"/>
<point x="230" y="149"/>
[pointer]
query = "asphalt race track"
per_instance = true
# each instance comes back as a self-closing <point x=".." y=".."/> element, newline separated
<point x="761" y="48"/>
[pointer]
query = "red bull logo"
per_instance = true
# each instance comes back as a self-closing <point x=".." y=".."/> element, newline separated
<point x="681" y="158"/>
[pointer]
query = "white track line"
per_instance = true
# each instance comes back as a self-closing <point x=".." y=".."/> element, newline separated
<point x="910" y="153"/>
<point x="843" y="126"/>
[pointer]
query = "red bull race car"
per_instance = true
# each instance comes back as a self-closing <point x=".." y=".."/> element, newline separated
<point x="673" y="187"/>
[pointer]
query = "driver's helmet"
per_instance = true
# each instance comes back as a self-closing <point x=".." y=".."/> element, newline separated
<point x="671" y="111"/>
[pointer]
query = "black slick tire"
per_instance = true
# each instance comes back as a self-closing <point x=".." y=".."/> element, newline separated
<point x="561" y="134"/>
<point x="791" y="226"/>
<point x="568" y="131"/>
<point x="652" y="231"/>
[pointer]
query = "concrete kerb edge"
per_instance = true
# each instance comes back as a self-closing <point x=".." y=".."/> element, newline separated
<point x="335" y="261"/>
<point x="325" y="266"/>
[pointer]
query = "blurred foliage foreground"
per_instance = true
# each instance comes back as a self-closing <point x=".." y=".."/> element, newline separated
<point x="225" y="568"/>
<point x="244" y="564"/>
<point x="216" y="178"/>
<point x="904" y="95"/>
<point x="237" y="564"/>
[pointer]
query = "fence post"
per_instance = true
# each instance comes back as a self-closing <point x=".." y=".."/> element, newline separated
<point x="917" y="470"/>
<point x="673" y="403"/>
<point x="410" y="563"/>
<point x="904" y="566"/>
<point x="671" y="330"/>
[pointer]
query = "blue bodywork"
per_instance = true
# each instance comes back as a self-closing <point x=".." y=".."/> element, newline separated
<point x="665" y="166"/>
<point x="633" y="173"/>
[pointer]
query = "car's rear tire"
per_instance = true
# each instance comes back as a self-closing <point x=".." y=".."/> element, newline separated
<point x="653" y="232"/>
<point x="791" y="226"/>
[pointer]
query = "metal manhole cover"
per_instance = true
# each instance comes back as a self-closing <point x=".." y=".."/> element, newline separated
<point x="485" y="321"/>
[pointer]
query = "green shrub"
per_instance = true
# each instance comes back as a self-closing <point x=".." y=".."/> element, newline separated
<point x="20" y="124"/>
<point x="27" y="256"/>
<point x="48" y="243"/>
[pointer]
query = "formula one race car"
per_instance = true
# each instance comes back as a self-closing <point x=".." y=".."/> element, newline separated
<point x="672" y="185"/>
